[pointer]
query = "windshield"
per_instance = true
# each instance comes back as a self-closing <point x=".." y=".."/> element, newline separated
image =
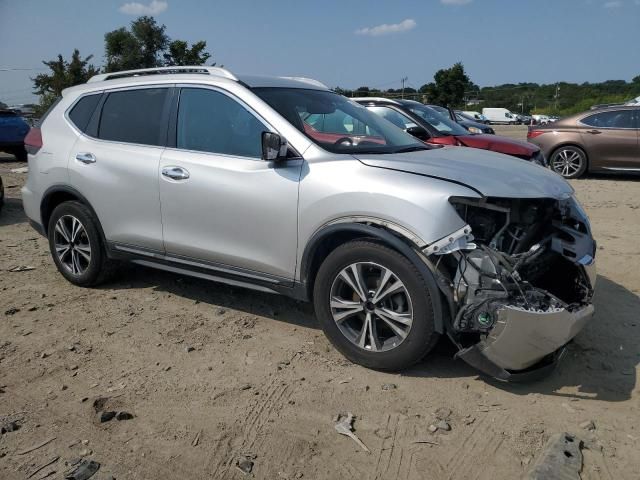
<point x="337" y="124"/>
<point x="441" y="123"/>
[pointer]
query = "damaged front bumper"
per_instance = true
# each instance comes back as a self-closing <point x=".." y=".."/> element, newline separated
<point x="525" y="344"/>
<point x="522" y="291"/>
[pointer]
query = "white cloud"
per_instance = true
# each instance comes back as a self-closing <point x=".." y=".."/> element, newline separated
<point x="612" y="4"/>
<point x="456" y="2"/>
<point x="386" y="28"/>
<point x="136" y="8"/>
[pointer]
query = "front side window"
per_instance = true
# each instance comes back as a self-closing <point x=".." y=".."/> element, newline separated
<point x="611" y="119"/>
<point x="210" y="121"/>
<point x="134" y="116"/>
<point x="336" y="123"/>
<point x="441" y="123"/>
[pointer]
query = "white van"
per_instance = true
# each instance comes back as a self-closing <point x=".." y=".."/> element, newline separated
<point x="475" y="115"/>
<point x="500" y="115"/>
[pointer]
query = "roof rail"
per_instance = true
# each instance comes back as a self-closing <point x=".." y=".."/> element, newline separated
<point x="375" y="99"/>
<point x="203" y="69"/>
<point x="310" y="81"/>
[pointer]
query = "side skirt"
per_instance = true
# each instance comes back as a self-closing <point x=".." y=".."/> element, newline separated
<point x="209" y="271"/>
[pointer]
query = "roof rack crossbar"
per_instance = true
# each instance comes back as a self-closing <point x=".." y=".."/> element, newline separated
<point x="202" y="69"/>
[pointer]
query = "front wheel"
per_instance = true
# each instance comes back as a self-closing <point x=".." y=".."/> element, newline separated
<point x="374" y="306"/>
<point x="569" y="161"/>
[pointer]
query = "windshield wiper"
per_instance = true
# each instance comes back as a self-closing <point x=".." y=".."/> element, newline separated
<point x="414" y="148"/>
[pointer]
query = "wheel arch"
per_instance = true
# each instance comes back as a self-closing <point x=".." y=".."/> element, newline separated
<point x="58" y="194"/>
<point x="330" y="237"/>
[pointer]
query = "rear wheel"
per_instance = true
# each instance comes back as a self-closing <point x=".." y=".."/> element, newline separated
<point x="76" y="246"/>
<point x="569" y="161"/>
<point x="374" y="306"/>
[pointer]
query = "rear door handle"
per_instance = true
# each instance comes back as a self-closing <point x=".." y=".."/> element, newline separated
<point x="594" y="132"/>
<point x="175" y="173"/>
<point x="86" y="158"/>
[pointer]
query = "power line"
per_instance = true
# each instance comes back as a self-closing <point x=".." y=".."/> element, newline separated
<point x="18" y="69"/>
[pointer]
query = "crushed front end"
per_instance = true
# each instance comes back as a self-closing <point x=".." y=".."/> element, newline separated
<point x="519" y="279"/>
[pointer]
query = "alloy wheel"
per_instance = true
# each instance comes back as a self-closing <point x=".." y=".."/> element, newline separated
<point x="371" y="306"/>
<point x="567" y="162"/>
<point x="72" y="244"/>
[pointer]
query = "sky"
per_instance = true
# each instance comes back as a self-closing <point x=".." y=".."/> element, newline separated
<point x="346" y="43"/>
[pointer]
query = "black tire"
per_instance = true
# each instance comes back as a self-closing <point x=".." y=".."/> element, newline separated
<point x="20" y="154"/>
<point x="421" y="337"/>
<point x="100" y="267"/>
<point x="558" y="157"/>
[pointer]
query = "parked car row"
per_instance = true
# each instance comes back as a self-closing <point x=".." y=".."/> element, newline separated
<point x="426" y="123"/>
<point x="281" y="185"/>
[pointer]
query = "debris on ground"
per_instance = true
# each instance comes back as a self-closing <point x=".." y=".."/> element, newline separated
<point x="442" y="413"/>
<point x="106" y="416"/>
<point x="196" y="439"/>
<point x="124" y="416"/>
<point x="443" y="425"/>
<point x="21" y="268"/>
<point x="85" y="469"/>
<point x="588" y="425"/>
<point x="42" y="467"/>
<point x="20" y="170"/>
<point x="344" y="426"/>
<point x="561" y="459"/>
<point x="36" y="447"/>
<point x="245" y="463"/>
<point x="9" y="426"/>
<point x="389" y="386"/>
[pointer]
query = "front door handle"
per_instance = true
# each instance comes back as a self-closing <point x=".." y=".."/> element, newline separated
<point x="594" y="132"/>
<point x="86" y="157"/>
<point x="175" y="173"/>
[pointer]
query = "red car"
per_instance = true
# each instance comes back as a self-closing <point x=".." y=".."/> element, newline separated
<point x="425" y="123"/>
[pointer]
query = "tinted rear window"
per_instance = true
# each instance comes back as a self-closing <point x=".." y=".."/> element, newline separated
<point x="611" y="119"/>
<point x="81" y="113"/>
<point x="134" y="116"/>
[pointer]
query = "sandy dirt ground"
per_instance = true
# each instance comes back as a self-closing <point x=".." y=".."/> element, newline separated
<point x="216" y="376"/>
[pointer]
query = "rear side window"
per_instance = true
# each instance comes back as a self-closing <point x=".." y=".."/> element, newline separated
<point x="81" y="113"/>
<point x="612" y="119"/>
<point x="134" y="116"/>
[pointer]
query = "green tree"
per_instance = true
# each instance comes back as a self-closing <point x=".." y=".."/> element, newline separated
<point x="449" y="86"/>
<point x="146" y="45"/>
<point x="179" y="53"/>
<point x="64" y="74"/>
<point x="140" y="47"/>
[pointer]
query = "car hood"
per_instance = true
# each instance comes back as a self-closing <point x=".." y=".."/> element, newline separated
<point x="490" y="174"/>
<point x="499" y="144"/>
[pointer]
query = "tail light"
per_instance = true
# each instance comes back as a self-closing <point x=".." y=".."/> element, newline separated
<point x="534" y="133"/>
<point x="33" y="141"/>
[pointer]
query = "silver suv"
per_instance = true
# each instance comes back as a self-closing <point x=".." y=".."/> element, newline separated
<point x="280" y="185"/>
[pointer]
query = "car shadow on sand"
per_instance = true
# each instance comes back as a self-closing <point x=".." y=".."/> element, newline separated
<point x="600" y="363"/>
<point x="12" y="212"/>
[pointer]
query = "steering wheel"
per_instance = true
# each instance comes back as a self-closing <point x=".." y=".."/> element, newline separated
<point x="346" y="141"/>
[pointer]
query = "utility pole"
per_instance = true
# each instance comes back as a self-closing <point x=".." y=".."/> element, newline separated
<point x="403" y="80"/>
<point x="557" y="95"/>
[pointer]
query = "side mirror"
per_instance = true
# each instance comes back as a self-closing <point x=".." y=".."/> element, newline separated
<point x="418" y="132"/>
<point x="274" y="147"/>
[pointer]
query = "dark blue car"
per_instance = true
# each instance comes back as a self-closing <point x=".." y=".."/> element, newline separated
<point x="13" y="129"/>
